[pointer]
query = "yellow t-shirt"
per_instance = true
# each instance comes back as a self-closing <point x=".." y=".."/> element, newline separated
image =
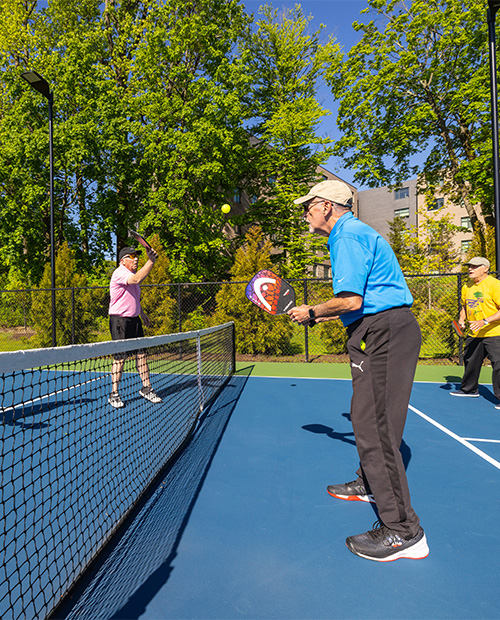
<point x="480" y="301"/>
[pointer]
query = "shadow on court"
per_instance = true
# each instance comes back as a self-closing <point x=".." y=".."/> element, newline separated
<point x="321" y="429"/>
<point x="139" y="561"/>
<point x="20" y="415"/>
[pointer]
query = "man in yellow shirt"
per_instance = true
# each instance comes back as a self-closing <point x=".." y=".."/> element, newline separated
<point x="481" y="307"/>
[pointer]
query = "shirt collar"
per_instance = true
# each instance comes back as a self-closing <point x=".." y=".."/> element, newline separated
<point x="339" y="224"/>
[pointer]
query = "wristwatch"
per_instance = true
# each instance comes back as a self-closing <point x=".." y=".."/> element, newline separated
<point x="486" y="322"/>
<point x="312" y="316"/>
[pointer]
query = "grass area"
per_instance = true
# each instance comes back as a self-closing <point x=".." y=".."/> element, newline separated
<point x="16" y="343"/>
<point x="425" y="372"/>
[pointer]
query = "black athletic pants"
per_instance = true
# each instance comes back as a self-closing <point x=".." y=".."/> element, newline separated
<point x="476" y="349"/>
<point x="382" y="378"/>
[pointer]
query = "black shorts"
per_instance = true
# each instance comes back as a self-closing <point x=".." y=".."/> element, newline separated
<point x="123" y="328"/>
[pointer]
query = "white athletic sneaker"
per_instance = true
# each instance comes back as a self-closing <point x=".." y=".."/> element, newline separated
<point x="462" y="393"/>
<point x="115" y="401"/>
<point x="149" y="394"/>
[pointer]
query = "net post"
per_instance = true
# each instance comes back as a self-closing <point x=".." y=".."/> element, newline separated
<point x="199" y="369"/>
<point x="179" y="315"/>
<point x="233" y="347"/>
<point x="306" y="329"/>
<point x="73" y="307"/>
<point x="460" y="339"/>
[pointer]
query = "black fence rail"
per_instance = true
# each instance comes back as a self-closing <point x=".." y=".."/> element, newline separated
<point x="81" y="316"/>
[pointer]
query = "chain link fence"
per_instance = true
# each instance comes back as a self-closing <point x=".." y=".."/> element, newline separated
<point x="81" y="315"/>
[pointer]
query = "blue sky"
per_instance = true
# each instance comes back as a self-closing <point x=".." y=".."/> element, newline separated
<point x="337" y="16"/>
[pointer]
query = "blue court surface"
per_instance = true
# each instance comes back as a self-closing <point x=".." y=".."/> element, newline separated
<point x="242" y="526"/>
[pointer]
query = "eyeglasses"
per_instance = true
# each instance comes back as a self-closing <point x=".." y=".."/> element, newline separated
<point x="130" y="256"/>
<point x="308" y="206"/>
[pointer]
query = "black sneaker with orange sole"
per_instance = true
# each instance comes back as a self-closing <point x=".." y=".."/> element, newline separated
<point x="385" y="545"/>
<point x="351" y="491"/>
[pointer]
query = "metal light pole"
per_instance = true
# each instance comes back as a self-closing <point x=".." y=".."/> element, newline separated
<point x="493" y="6"/>
<point x="37" y="82"/>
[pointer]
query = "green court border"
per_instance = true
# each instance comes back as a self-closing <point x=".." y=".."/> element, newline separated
<point x="425" y="372"/>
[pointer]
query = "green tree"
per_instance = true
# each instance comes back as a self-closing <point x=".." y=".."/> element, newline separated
<point x="190" y="96"/>
<point x="256" y="331"/>
<point x="482" y="244"/>
<point x="149" y="128"/>
<point x="76" y="310"/>
<point x="64" y="40"/>
<point x="401" y="241"/>
<point x="417" y="82"/>
<point x="287" y="62"/>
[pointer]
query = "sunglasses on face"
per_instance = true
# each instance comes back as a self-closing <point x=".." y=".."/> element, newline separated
<point x="308" y="206"/>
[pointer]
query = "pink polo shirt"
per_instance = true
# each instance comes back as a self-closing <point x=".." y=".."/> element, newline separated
<point x="125" y="299"/>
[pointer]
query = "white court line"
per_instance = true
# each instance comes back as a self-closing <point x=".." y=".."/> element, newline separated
<point x="461" y="440"/>
<point x="43" y="397"/>
<point x="482" y="440"/>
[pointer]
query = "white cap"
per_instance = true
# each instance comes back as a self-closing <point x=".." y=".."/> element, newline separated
<point x="334" y="191"/>
<point x="477" y="261"/>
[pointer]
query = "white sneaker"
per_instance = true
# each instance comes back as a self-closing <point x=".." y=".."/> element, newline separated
<point x="149" y="394"/>
<point x="462" y="393"/>
<point x="115" y="401"/>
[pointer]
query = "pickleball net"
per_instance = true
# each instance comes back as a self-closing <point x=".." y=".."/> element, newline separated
<point x="73" y="467"/>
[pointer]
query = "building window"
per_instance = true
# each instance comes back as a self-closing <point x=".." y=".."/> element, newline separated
<point x="402" y="212"/>
<point x="466" y="245"/>
<point x="403" y="192"/>
<point x="320" y="271"/>
<point x="237" y="195"/>
<point x="466" y="223"/>
<point x="435" y="204"/>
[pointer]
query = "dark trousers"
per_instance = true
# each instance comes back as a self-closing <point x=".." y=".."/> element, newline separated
<point x="476" y="350"/>
<point x="382" y="378"/>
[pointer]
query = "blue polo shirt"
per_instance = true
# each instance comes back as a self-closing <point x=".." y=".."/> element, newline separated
<point x="364" y="263"/>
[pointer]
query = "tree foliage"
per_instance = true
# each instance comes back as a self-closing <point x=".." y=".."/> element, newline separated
<point x="286" y="62"/>
<point x="482" y="244"/>
<point x="148" y="128"/>
<point x="76" y="311"/>
<point x="155" y="102"/>
<point x="417" y="83"/>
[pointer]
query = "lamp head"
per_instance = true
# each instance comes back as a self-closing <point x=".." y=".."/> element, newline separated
<point x="37" y="82"/>
<point x="493" y="6"/>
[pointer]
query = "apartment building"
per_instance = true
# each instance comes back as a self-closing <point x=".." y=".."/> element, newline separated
<point x="380" y="206"/>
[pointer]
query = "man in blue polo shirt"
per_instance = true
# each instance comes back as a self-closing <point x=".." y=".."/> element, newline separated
<point x="373" y="301"/>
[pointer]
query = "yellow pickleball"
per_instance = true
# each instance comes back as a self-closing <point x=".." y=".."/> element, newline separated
<point x="225" y="208"/>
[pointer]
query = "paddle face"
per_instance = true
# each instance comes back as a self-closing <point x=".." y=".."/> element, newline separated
<point x="458" y="330"/>
<point x="140" y="239"/>
<point x="270" y="292"/>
